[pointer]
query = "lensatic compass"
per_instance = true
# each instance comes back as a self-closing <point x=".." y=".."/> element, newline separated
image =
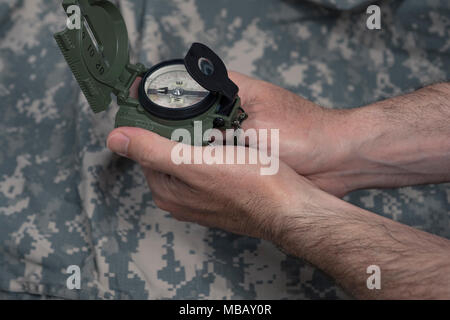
<point x="172" y="94"/>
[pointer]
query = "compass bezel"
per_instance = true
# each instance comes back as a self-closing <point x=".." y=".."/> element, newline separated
<point x="173" y="113"/>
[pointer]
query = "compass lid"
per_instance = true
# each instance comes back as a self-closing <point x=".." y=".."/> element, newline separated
<point x="205" y="67"/>
<point x="97" y="50"/>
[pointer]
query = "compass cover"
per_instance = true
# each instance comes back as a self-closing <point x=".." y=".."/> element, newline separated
<point x="98" y="51"/>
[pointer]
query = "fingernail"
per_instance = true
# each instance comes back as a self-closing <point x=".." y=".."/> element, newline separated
<point x="118" y="143"/>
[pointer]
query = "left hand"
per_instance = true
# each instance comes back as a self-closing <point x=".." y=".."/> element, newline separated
<point x="233" y="197"/>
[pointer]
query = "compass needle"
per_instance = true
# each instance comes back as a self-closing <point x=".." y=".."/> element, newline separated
<point x="172" y="87"/>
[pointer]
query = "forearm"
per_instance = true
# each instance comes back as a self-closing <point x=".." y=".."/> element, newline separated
<point x="399" y="141"/>
<point x="344" y="240"/>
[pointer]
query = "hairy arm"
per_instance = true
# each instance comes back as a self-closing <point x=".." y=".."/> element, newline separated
<point x="397" y="142"/>
<point x="344" y="240"/>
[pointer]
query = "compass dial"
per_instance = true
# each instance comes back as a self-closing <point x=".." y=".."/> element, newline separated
<point x="172" y="87"/>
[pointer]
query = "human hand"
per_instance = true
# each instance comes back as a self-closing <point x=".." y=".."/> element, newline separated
<point x="233" y="197"/>
<point x="290" y="211"/>
<point x="310" y="135"/>
<point x="390" y="143"/>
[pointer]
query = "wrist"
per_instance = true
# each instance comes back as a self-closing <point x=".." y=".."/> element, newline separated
<point x="363" y="149"/>
<point x="383" y="152"/>
<point x="337" y="164"/>
<point x="304" y="221"/>
<point x="356" y="134"/>
<point x="371" y="152"/>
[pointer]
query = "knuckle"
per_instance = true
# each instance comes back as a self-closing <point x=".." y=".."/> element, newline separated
<point x="160" y="203"/>
<point x="182" y="216"/>
<point x="173" y="188"/>
<point x="177" y="216"/>
<point x="156" y="195"/>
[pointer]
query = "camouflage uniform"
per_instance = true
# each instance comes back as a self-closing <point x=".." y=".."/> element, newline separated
<point x="66" y="200"/>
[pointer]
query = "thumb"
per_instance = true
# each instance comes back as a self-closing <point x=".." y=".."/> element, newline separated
<point x="145" y="147"/>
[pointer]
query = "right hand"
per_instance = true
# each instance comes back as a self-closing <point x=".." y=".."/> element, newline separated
<point x="310" y="135"/>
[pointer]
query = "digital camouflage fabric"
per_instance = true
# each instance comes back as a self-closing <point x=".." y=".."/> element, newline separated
<point x="67" y="200"/>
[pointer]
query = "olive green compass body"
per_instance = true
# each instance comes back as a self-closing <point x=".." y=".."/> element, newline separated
<point x="173" y="94"/>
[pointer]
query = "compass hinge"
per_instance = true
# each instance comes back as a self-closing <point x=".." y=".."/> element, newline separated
<point x="127" y="78"/>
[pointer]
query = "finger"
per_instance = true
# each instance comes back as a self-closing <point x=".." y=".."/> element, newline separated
<point x="249" y="124"/>
<point x="245" y="84"/>
<point x="239" y="78"/>
<point x="154" y="181"/>
<point x="135" y="88"/>
<point x="166" y="187"/>
<point x="168" y="193"/>
<point x="147" y="148"/>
